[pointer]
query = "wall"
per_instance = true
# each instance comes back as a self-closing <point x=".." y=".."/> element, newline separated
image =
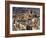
<point x="2" y="19"/>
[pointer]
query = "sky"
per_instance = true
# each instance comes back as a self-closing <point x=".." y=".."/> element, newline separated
<point x="17" y="10"/>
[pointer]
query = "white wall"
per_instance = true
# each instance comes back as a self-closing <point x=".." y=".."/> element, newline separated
<point x="28" y="0"/>
<point x="2" y="16"/>
<point x="2" y="19"/>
